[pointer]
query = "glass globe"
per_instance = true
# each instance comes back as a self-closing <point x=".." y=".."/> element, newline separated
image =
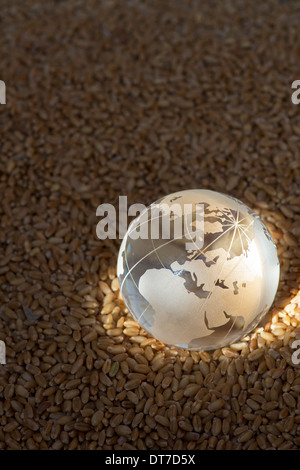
<point x="206" y="286"/>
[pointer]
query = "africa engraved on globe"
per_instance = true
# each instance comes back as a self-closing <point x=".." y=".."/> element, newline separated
<point x="202" y="298"/>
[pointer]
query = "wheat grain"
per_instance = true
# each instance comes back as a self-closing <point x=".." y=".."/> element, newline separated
<point x="80" y="372"/>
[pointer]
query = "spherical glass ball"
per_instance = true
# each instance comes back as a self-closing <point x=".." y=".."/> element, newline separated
<point x="208" y="279"/>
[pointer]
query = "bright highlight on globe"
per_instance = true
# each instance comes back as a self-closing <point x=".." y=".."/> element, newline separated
<point x="198" y="269"/>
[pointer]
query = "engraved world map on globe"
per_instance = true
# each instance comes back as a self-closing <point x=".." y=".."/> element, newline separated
<point x="209" y="296"/>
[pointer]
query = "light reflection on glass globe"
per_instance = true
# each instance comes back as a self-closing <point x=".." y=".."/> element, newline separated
<point x="207" y="297"/>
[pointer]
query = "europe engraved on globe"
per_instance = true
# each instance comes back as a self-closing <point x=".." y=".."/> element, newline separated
<point x="201" y="298"/>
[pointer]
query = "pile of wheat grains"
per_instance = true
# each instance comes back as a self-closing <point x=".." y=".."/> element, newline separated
<point x="140" y="98"/>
